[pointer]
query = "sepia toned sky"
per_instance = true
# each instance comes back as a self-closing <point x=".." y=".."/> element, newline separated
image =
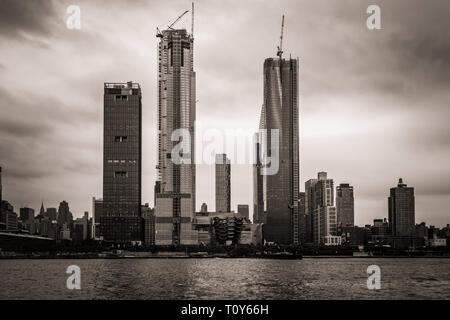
<point x="374" y="104"/>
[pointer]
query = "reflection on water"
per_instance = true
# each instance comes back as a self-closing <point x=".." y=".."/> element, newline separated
<point x="225" y="279"/>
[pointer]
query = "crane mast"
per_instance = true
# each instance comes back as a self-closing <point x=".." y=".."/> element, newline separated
<point x="280" y="47"/>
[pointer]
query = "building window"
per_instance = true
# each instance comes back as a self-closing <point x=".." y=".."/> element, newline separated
<point x="121" y="97"/>
<point x="120" y="138"/>
<point x="120" y="174"/>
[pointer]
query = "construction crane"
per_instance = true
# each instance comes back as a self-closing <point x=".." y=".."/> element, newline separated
<point x="280" y="47"/>
<point x="176" y="20"/>
<point x="158" y="32"/>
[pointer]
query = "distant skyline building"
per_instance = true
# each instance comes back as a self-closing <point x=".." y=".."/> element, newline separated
<point x="122" y="163"/>
<point x="345" y="205"/>
<point x="148" y="215"/>
<point x="302" y="222"/>
<point x="258" y="182"/>
<point x="51" y="213"/>
<point x="280" y="115"/>
<point x="26" y="214"/>
<point x="97" y="213"/>
<point x="64" y="214"/>
<point x="175" y="197"/>
<point x="310" y="207"/>
<point x="401" y="207"/>
<point x="320" y="196"/>
<point x="42" y="210"/>
<point x="243" y="211"/>
<point x="223" y="183"/>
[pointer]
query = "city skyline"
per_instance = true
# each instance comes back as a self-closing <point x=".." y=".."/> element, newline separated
<point x="76" y="176"/>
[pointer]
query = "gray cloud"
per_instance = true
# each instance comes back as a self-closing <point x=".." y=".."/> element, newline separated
<point x="21" y="18"/>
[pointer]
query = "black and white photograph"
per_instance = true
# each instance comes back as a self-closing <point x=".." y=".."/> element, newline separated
<point x="224" y="155"/>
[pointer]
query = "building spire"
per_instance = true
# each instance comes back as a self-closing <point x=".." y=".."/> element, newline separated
<point x="41" y="212"/>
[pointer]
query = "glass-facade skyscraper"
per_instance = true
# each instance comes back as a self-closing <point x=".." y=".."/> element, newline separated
<point x="120" y="215"/>
<point x="280" y="113"/>
<point x="345" y="205"/>
<point x="223" y="183"/>
<point x="401" y="205"/>
<point x="175" y="186"/>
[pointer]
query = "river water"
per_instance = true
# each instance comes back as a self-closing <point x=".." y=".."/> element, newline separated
<point x="310" y="278"/>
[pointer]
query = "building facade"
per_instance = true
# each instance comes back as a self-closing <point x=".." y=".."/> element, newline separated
<point x="223" y="183"/>
<point x="175" y="196"/>
<point x="64" y="214"/>
<point x="148" y="214"/>
<point x="243" y="211"/>
<point x="280" y="141"/>
<point x="345" y="205"/>
<point x="258" y="183"/>
<point x="401" y="206"/>
<point x="122" y="166"/>
<point x="310" y="206"/>
<point x="319" y="202"/>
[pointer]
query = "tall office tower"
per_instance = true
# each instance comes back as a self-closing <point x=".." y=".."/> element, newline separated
<point x="243" y="211"/>
<point x="64" y="214"/>
<point x="326" y="223"/>
<point x="148" y="215"/>
<point x="97" y="212"/>
<point x="324" y="213"/>
<point x="310" y="206"/>
<point x="401" y="210"/>
<point x="345" y="205"/>
<point x="26" y="214"/>
<point x="302" y="223"/>
<point x="258" y="183"/>
<point x="280" y="114"/>
<point x="175" y="200"/>
<point x="223" y="183"/>
<point x="122" y="166"/>
<point x="51" y="213"/>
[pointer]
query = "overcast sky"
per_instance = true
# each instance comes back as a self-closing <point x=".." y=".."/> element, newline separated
<point x="374" y="104"/>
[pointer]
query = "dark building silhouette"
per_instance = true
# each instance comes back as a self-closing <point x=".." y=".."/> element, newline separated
<point x="97" y="212"/>
<point x="243" y="211"/>
<point x="280" y="115"/>
<point x="51" y="213"/>
<point x="401" y="210"/>
<point x="310" y="206"/>
<point x="64" y="214"/>
<point x="223" y="183"/>
<point x="148" y="215"/>
<point x="26" y="215"/>
<point x="345" y="205"/>
<point x="8" y="218"/>
<point x="42" y="210"/>
<point x="302" y="222"/>
<point x="122" y="152"/>
<point x="258" y="183"/>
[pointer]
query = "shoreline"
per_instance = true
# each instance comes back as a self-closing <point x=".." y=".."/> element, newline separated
<point x="81" y="257"/>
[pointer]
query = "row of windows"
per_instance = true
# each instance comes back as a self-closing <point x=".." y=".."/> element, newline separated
<point x="133" y="162"/>
<point x="120" y="138"/>
<point x="121" y="97"/>
<point x="120" y="174"/>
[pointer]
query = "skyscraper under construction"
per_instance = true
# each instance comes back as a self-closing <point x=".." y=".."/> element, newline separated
<point x="280" y="114"/>
<point x="175" y="186"/>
